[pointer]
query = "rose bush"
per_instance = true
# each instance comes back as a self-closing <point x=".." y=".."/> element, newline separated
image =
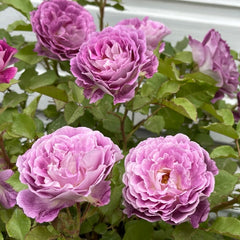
<point x="110" y="62"/>
<point x="61" y="26"/>
<point x="6" y="58"/>
<point x="168" y="179"/>
<point x="213" y="57"/>
<point x="7" y="193"/>
<point x="65" y="167"/>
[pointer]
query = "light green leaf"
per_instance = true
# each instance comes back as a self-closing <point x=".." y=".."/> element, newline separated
<point x="224" y="151"/>
<point x="76" y="92"/>
<point x="223" y="129"/>
<point x="224" y="185"/>
<point x="53" y="92"/>
<point x="42" y="80"/>
<point x="19" y="25"/>
<point x="182" y="106"/>
<point x="168" y="88"/>
<point x="181" y="45"/>
<point x="72" y="112"/>
<point x="185" y="57"/>
<point x="15" y="182"/>
<point x="201" y="77"/>
<point x="210" y="109"/>
<point x="1" y="236"/>
<point x="23" y="6"/>
<point x="5" y="86"/>
<point x="40" y="233"/>
<point x="226" y="115"/>
<point x="226" y="226"/>
<point x="139" y="102"/>
<point x="18" y="225"/>
<point x="138" y="229"/>
<point x="28" y="55"/>
<point x="155" y="124"/>
<point x="23" y="126"/>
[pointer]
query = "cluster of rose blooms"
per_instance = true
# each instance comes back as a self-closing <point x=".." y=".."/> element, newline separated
<point x="165" y="179"/>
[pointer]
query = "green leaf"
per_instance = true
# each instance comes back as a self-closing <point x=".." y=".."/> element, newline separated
<point x="76" y="92"/>
<point x="15" y="182"/>
<point x="223" y="129"/>
<point x="25" y="78"/>
<point x="5" y="86"/>
<point x="210" y="109"/>
<point x="118" y="7"/>
<point x="110" y="236"/>
<point x="19" y="25"/>
<point x="226" y="115"/>
<point x="100" y="228"/>
<point x="168" y="88"/>
<point x="201" y="77"/>
<point x="152" y="85"/>
<point x="224" y="151"/>
<point x="138" y="229"/>
<point x="23" y="6"/>
<point x="112" y="123"/>
<point x="12" y="99"/>
<point x="42" y="80"/>
<point x="40" y="233"/>
<point x="184" y="57"/>
<point x="18" y="225"/>
<point x="28" y="55"/>
<point x="186" y="232"/>
<point x="224" y="185"/>
<point x="23" y="126"/>
<point x="165" y="68"/>
<point x="56" y="124"/>
<point x="226" y="226"/>
<point x="139" y="102"/>
<point x="155" y="124"/>
<point x="32" y="107"/>
<point x="72" y="112"/>
<point x="1" y="236"/>
<point x="181" y="45"/>
<point x="182" y="106"/>
<point x="51" y="111"/>
<point x="53" y="92"/>
<point x="227" y="164"/>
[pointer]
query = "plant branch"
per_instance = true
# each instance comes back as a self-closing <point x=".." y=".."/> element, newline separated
<point x="238" y="149"/>
<point x="122" y="127"/>
<point x="4" y="152"/>
<point x="226" y="204"/>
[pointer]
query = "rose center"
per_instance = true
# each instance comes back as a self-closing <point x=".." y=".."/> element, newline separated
<point x="165" y="178"/>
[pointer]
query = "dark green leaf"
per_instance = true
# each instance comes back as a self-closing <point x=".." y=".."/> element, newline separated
<point x="25" y="78"/>
<point x="110" y="236"/>
<point x="181" y="45"/>
<point x="100" y="228"/>
<point x="118" y="7"/>
<point x="224" y="185"/>
<point x="138" y="229"/>
<point x="42" y="80"/>
<point x="53" y="92"/>
<point x="56" y="124"/>
<point x="12" y="99"/>
<point x="139" y="102"/>
<point x="18" y="225"/>
<point x="51" y="111"/>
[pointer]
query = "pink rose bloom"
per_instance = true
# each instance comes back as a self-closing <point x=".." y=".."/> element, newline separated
<point x="61" y="27"/>
<point x="65" y="167"/>
<point x="7" y="193"/>
<point x="110" y="61"/>
<point x="168" y="179"/>
<point x="6" y="58"/>
<point x="213" y="58"/>
<point x="153" y="30"/>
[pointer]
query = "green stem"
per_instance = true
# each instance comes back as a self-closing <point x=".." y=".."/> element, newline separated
<point x="122" y="127"/>
<point x="238" y="149"/>
<point x="101" y="4"/>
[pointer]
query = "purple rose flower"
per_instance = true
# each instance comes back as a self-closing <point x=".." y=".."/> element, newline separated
<point x="111" y="61"/>
<point x="153" y="30"/>
<point x="168" y="179"/>
<point x="65" y="167"/>
<point x="61" y="27"/>
<point x="7" y="193"/>
<point x="213" y="58"/>
<point x="6" y="58"/>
